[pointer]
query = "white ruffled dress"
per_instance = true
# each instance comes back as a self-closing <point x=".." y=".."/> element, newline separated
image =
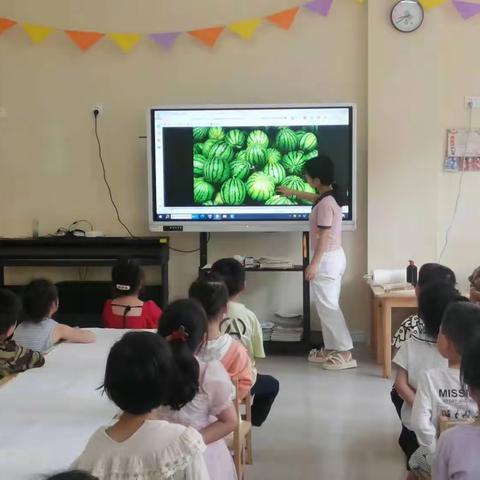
<point x="158" y="450"/>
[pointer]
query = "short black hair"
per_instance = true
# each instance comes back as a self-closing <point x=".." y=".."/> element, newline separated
<point x="72" y="475"/>
<point x="434" y="272"/>
<point x="127" y="277"/>
<point x="461" y="324"/>
<point x="432" y="303"/>
<point x="470" y="368"/>
<point x="210" y="290"/>
<point x="10" y="308"/>
<point x="321" y="167"/>
<point x="139" y="373"/>
<point x="38" y="297"/>
<point x="232" y="273"/>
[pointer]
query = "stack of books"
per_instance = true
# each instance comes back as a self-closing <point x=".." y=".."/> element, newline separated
<point x="275" y="262"/>
<point x="288" y="327"/>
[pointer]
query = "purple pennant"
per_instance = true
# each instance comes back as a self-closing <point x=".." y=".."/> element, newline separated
<point x="319" y="6"/>
<point x="165" y="39"/>
<point x="466" y="9"/>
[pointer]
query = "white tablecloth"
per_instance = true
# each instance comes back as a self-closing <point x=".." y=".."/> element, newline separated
<point x="48" y="414"/>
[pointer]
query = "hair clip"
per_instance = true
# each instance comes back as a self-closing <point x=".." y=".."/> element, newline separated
<point x="122" y="287"/>
<point x="179" y="335"/>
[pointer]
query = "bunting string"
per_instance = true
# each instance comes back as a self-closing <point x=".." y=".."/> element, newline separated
<point x="127" y="41"/>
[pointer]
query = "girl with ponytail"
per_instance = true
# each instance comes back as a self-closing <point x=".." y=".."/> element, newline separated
<point x="184" y="326"/>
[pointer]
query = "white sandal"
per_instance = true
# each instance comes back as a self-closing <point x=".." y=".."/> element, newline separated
<point x="318" y="355"/>
<point x="337" y="361"/>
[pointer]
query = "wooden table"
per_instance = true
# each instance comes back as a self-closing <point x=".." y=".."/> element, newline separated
<point x="381" y="322"/>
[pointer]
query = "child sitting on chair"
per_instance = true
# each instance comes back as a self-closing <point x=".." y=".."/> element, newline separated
<point x="440" y="391"/>
<point x="212" y="294"/>
<point x="420" y="353"/>
<point x="13" y="358"/>
<point x="243" y="323"/>
<point x="126" y="310"/>
<point x="457" y="455"/>
<point x="184" y="325"/>
<point x="39" y="331"/>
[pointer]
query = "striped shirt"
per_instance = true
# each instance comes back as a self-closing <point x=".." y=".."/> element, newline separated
<point x="36" y="336"/>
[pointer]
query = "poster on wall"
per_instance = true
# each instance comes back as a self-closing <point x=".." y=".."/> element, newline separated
<point x="463" y="150"/>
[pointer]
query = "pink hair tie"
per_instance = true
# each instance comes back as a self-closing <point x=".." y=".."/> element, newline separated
<point x="179" y="335"/>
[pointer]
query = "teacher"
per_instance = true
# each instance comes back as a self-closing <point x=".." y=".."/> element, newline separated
<point x="327" y="265"/>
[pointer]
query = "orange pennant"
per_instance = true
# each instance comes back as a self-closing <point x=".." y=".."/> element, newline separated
<point x="5" y="24"/>
<point x="283" y="19"/>
<point x="208" y="36"/>
<point x="84" y="40"/>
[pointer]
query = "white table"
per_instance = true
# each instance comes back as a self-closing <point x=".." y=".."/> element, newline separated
<point x="48" y="414"/>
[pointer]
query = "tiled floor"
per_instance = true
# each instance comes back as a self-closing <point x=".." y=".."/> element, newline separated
<point x="328" y="425"/>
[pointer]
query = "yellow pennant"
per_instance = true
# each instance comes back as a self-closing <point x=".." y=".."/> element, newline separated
<point x="37" y="33"/>
<point x="245" y="29"/>
<point x="431" y="3"/>
<point x="125" y="41"/>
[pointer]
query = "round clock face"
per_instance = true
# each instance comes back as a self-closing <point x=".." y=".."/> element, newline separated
<point x="407" y="15"/>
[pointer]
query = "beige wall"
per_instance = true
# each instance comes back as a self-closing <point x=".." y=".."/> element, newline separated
<point x="49" y="166"/>
<point x="417" y="85"/>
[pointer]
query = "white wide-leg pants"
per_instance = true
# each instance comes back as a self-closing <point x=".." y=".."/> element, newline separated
<point x="325" y="289"/>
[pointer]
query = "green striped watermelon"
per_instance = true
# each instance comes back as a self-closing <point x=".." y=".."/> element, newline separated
<point x="197" y="148"/>
<point x="300" y="133"/>
<point x="294" y="162"/>
<point x="233" y="192"/>
<point x="286" y="140"/>
<point x="240" y="169"/>
<point x="208" y="204"/>
<point x="256" y="156"/>
<point x="200" y="133"/>
<point x="260" y="187"/>
<point x="216" y="133"/>
<point x="307" y="188"/>
<point x="293" y="182"/>
<point x="216" y="170"/>
<point x="241" y="155"/>
<point x="218" y="199"/>
<point x="307" y="142"/>
<point x="198" y="165"/>
<point x="207" y="146"/>
<point x="275" y="171"/>
<point x="279" y="200"/>
<point x="235" y="138"/>
<point x="202" y="191"/>
<point x="273" y="155"/>
<point x="310" y="155"/>
<point x="222" y="151"/>
<point x="258" y="138"/>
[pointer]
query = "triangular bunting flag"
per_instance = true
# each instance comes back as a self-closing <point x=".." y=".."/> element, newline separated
<point x="319" y="6"/>
<point x="283" y="19"/>
<point x="5" y="24"/>
<point x="37" y="33"/>
<point x="208" y="36"/>
<point x="467" y="9"/>
<point x="84" y="40"/>
<point x="126" y="41"/>
<point x="431" y="3"/>
<point x="246" y="28"/>
<point x="165" y="39"/>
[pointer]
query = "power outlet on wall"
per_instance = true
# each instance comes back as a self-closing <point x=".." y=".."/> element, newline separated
<point x="98" y="108"/>
<point x="472" y="102"/>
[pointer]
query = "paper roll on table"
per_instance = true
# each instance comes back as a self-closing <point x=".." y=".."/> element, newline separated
<point x="382" y="277"/>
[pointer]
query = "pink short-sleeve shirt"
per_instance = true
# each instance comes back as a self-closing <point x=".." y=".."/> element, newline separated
<point x="326" y="213"/>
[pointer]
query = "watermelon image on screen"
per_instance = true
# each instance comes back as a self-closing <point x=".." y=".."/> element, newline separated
<point x="200" y="133"/>
<point x="310" y="155"/>
<point x="216" y="133"/>
<point x="273" y="155"/>
<point x="275" y="171"/>
<point x="307" y="188"/>
<point x="241" y="155"/>
<point x="286" y="140"/>
<point x="216" y="170"/>
<point x="260" y="187"/>
<point x="257" y="138"/>
<point x="240" y="169"/>
<point x="221" y="151"/>
<point x="294" y="183"/>
<point x="207" y="146"/>
<point x="307" y="142"/>
<point x="255" y="155"/>
<point x="198" y="148"/>
<point x="294" y="163"/>
<point x="218" y="199"/>
<point x="279" y="200"/>
<point x="202" y="191"/>
<point x="235" y="138"/>
<point x="233" y="192"/>
<point x="198" y="165"/>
